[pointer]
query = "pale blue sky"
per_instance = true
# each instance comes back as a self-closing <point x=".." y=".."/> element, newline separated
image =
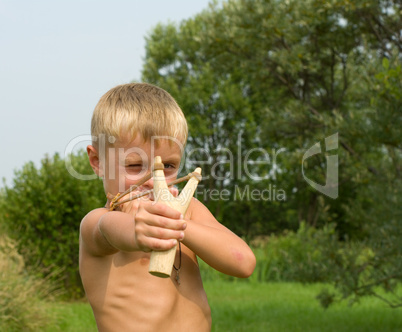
<point x="56" y="60"/>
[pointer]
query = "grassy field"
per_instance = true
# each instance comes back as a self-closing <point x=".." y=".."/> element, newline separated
<point x="250" y="307"/>
<point x="293" y="307"/>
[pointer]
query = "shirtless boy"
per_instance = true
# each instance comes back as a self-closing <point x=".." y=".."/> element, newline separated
<point x="115" y="245"/>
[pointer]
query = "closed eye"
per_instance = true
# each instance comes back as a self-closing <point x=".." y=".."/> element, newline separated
<point x="135" y="168"/>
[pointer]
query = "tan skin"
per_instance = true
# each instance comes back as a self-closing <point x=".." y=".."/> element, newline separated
<point x="115" y="246"/>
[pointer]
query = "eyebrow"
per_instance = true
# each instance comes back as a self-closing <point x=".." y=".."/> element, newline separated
<point x="133" y="159"/>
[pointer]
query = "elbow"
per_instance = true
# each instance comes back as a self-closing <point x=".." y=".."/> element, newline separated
<point x="250" y="266"/>
<point x="247" y="265"/>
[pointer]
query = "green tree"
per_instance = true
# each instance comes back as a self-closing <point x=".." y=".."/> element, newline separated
<point x="377" y="207"/>
<point x="42" y="210"/>
<point x="299" y="72"/>
<point x="219" y="115"/>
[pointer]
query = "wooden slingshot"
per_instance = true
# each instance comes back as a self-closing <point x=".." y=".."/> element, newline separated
<point x="161" y="262"/>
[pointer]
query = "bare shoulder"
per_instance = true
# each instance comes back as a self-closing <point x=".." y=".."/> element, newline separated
<point x="91" y="219"/>
<point x="198" y="212"/>
<point x="91" y="239"/>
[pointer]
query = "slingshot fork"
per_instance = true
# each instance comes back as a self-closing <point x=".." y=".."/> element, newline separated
<point x="161" y="262"/>
<point x="116" y="200"/>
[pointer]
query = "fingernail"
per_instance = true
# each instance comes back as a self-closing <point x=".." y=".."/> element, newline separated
<point x="181" y="217"/>
<point x="181" y="236"/>
<point x="174" y="242"/>
<point x="184" y="226"/>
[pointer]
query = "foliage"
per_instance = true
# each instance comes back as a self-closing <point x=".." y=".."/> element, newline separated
<point x="300" y="256"/>
<point x="356" y="268"/>
<point x="43" y="210"/>
<point x="21" y="294"/>
<point x="273" y="74"/>
<point x="378" y="208"/>
<point x="255" y="76"/>
<point x="311" y="255"/>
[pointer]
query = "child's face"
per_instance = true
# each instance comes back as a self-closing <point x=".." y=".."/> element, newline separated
<point x="126" y="162"/>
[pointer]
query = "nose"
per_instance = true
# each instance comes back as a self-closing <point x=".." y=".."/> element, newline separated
<point x="149" y="184"/>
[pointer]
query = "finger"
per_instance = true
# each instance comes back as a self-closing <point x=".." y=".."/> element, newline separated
<point x="163" y="210"/>
<point x="145" y="219"/>
<point x="163" y="233"/>
<point x="160" y="244"/>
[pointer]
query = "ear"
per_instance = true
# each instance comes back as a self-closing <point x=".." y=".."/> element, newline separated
<point x="94" y="160"/>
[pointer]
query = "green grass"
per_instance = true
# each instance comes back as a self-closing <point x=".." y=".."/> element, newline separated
<point x="292" y="307"/>
<point x="71" y="317"/>
<point x="243" y="306"/>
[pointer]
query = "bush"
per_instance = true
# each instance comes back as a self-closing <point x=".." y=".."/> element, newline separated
<point x="21" y="295"/>
<point x="310" y="255"/>
<point x="43" y="210"/>
<point x="300" y="256"/>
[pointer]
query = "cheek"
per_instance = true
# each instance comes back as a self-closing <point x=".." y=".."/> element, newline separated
<point x="170" y="175"/>
<point x="126" y="180"/>
<point x="111" y="169"/>
<point x="133" y="177"/>
<point x="116" y="178"/>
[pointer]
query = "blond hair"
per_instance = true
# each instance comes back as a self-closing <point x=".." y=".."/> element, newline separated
<point x="138" y="108"/>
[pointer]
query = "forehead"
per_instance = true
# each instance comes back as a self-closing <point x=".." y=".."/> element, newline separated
<point x="138" y="148"/>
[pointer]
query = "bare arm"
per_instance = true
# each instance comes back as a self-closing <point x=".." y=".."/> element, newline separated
<point x="216" y="245"/>
<point x="141" y="227"/>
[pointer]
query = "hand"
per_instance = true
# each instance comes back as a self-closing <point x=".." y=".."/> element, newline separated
<point x="158" y="226"/>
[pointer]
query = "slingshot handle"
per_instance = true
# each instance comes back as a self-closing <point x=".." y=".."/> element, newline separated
<point x="161" y="262"/>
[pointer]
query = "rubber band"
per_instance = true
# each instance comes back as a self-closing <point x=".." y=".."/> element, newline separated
<point x="157" y="166"/>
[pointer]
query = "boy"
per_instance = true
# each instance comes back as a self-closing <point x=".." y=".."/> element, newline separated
<point x="115" y="245"/>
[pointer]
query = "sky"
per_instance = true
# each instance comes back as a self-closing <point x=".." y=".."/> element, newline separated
<point x="57" y="58"/>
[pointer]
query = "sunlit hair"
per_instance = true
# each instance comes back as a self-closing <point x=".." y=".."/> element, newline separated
<point x="138" y="108"/>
